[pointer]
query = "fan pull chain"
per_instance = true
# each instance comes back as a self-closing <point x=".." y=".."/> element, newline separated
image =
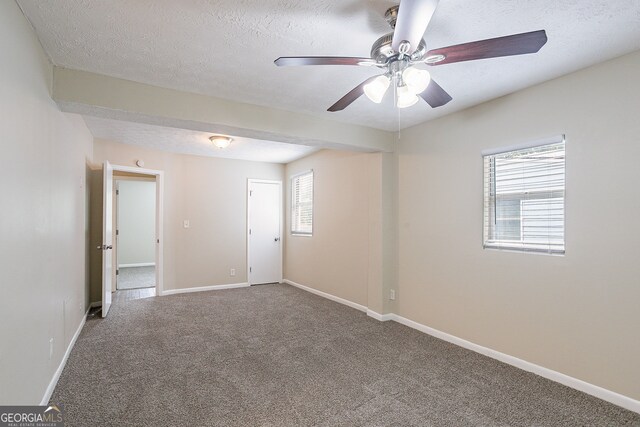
<point x="395" y="98"/>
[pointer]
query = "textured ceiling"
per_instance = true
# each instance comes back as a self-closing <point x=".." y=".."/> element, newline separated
<point x="226" y="48"/>
<point x="193" y="142"/>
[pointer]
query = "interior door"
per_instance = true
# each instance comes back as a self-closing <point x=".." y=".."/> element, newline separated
<point x="265" y="243"/>
<point x="107" y="236"/>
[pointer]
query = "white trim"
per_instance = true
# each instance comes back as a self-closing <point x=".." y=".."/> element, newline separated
<point x="381" y="317"/>
<point x="522" y="146"/>
<point x="291" y="204"/>
<point x="583" y="386"/>
<point x="577" y="384"/>
<point x="137" y="170"/>
<point x="204" y="288"/>
<point x="140" y="264"/>
<point x="300" y="173"/>
<point x="160" y="233"/>
<point x="326" y="295"/>
<point x="56" y="376"/>
<point x="159" y="252"/>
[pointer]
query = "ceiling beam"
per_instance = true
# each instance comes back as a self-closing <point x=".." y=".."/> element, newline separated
<point x="98" y="95"/>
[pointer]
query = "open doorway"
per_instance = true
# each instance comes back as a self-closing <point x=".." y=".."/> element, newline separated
<point x="109" y="245"/>
<point x="135" y="228"/>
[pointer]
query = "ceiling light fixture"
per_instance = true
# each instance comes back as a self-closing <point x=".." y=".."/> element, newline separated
<point x="396" y="54"/>
<point x="376" y="89"/>
<point x="410" y="82"/>
<point x="416" y="79"/>
<point x="220" y="141"/>
<point x="406" y="97"/>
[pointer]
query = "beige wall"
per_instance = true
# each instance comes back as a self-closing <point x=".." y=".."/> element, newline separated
<point x="43" y="180"/>
<point x="346" y="225"/>
<point x="209" y="192"/>
<point x="577" y="314"/>
<point x="136" y="222"/>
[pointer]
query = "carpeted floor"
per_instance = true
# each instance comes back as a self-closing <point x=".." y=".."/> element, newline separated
<point x="275" y="355"/>
<point x="136" y="277"/>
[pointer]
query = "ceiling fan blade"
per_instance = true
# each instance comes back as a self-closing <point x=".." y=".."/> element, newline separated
<point x="435" y="95"/>
<point x="353" y="94"/>
<point x="286" y="61"/>
<point x="412" y="21"/>
<point x="516" y="44"/>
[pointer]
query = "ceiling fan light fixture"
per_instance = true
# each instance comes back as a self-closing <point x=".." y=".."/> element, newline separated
<point x="376" y="89"/>
<point x="406" y="97"/>
<point x="220" y="141"/>
<point x="416" y="79"/>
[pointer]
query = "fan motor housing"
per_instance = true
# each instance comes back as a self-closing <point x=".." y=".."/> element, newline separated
<point x="382" y="51"/>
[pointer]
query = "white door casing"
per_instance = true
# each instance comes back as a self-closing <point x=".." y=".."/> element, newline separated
<point x="107" y="237"/>
<point x="108" y="279"/>
<point x="264" y="240"/>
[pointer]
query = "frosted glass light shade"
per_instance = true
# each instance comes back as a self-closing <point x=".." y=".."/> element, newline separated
<point x="376" y="88"/>
<point x="416" y="79"/>
<point x="406" y="97"/>
<point x="221" y="141"/>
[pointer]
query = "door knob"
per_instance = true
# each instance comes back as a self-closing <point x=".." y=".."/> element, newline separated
<point x="99" y="247"/>
<point x="109" y="247"/>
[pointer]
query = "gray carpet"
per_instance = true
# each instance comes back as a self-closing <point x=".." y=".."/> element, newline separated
<point x="136" y="277"/>
<point x="275" y="355"/>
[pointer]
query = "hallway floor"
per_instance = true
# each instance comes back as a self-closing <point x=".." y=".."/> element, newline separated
<point x="136" y="277"/>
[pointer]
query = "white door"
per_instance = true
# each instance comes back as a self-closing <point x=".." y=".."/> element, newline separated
<point x="265" y="243"/>
<point x="107" y="237"/>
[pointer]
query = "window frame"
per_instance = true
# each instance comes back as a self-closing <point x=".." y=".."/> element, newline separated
<point x="293" y="221"/>
<point x="512" y="245"/>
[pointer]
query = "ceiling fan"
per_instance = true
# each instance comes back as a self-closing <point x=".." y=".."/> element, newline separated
<point x="399" y="52"/>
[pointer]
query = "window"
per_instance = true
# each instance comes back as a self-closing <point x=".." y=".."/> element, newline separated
<point x="302" y="203"/>
<point x="524" y="198"/>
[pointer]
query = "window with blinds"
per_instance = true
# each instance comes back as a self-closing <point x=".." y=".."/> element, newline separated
<point x="524" y="198"/>
<point x="302" y="203"/>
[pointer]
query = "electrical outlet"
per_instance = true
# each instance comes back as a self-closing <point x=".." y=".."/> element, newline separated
<point x="50" y="348"/>
<point x="392" y="294"/>
<point x="232" y="272"/>
<point x="186" y="223"/>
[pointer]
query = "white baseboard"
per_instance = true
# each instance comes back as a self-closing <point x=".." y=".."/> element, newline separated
<point x="326" y="295"/>
<point x="204" y="288"/>
<point x="140" y="264"/>
<point x="56" y="376"/>
<point x="381" y="317"/>
<point x="583" y="386"/>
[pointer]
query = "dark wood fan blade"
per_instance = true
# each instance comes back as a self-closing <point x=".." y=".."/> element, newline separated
<point x="412" y="21"/>
<point x="287" y="61"/>
<point x="516" y="44"/>
<point x="353" y="94"/>
<point x="435" y="95"/>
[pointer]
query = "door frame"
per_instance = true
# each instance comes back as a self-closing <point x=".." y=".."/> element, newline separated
<point x="159" y="175"/>
<point x="107" y="236"/>
<point x="117" y="179"/>
<point x="281" y="211"/>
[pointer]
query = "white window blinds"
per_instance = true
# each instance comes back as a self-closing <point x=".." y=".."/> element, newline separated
<point x="524" y="199"/>
<point x="302" y="203"/>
